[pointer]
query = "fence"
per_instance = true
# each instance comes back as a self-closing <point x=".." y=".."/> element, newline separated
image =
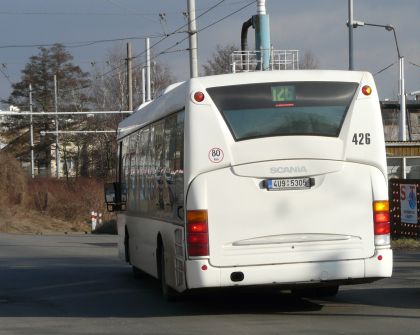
<point x="250" y="60"/>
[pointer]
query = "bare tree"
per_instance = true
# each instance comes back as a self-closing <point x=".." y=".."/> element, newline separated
<point x="219" y="63"/>
<point x="109" y="92"/>
<point x="308" y="61"/>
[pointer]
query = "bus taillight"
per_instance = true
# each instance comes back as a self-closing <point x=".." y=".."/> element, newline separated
<point x="367" y="90"/>
<point x="382" y="227"/>
<point x="197" y="233"/>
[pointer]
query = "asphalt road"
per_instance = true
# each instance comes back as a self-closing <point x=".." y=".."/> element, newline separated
<point x="74" y="284"/>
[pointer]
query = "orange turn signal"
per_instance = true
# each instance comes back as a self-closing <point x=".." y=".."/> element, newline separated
<point x="381" y="206"/>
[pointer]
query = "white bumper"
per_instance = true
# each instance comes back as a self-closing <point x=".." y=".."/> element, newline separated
<point x="200" y="273"/>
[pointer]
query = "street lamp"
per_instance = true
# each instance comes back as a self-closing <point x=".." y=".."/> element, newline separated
<point x="416" y="94"/>
<point x="388" y="27"/>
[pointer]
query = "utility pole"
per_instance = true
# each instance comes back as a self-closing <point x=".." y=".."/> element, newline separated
<point x="403" y="111"/>
<point x="129" y="78"/>
<point x="148" y="79"/>
<point x="57" y="151"/>
<point x="31" y="128"/>
<point x="143" y="84"/>
<point x="192" y="31"/>
<point x="350" y="24"/>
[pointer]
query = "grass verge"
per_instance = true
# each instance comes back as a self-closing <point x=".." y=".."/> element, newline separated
<point x="405" y="244"/>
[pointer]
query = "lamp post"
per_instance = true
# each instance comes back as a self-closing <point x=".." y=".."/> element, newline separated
<point x="350" y="26"/>
<point x="402" y="124"/>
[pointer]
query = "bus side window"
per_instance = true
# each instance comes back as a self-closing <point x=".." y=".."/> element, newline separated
<point x="179" y="162"/>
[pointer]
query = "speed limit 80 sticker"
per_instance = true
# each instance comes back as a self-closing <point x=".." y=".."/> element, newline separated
<point x="216" y="155"/>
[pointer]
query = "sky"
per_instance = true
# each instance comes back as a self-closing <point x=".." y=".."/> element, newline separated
<point x="318" y="26"/>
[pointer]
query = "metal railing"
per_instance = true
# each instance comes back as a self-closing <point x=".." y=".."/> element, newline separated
<point x="250" y="60"/>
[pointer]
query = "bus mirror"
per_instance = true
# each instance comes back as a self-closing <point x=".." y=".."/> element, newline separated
<point x="115" y="197"/>
<point x="110" y="193"/>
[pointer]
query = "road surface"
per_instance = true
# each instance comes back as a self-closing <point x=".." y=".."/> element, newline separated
<point x="74" y="284"/>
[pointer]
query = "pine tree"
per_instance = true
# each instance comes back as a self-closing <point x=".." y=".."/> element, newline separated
<point x="40" y="71"/>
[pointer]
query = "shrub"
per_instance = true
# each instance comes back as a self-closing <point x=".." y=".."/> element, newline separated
<point x="71" y="200"/>
<point x="13" y="181"/>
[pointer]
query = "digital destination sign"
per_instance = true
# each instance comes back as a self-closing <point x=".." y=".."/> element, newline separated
<point x="283" y="93"/>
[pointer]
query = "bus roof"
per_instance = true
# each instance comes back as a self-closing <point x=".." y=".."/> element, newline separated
<point x="174" y="97"/>
<point x="172" y="100"/>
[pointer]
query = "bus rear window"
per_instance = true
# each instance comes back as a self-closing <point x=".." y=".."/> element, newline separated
<point x="285" y="108"/>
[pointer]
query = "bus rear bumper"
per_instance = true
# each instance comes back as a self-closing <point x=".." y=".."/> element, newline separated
<point x="201" y="274"/>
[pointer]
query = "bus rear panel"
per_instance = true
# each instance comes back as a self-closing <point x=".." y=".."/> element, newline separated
<point x="285" y="180"/>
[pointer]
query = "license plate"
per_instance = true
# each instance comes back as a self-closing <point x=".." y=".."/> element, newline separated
<point x="288" y="184"/>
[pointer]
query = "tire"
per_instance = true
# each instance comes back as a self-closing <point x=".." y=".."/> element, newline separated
<point x="317" y="292"/>
<point x="168" y="293"/>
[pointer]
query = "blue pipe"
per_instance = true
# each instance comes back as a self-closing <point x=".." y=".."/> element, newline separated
<point x="262" y="39"/>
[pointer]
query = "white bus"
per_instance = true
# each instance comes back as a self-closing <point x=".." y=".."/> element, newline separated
<point x="267" y="178"/>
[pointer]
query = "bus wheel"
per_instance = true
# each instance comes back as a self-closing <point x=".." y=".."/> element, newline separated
<point x="168" y="293"/>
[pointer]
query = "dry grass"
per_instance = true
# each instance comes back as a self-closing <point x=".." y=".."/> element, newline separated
<point x="12" y="182"/>
<point x="406" y="244"/>
<point x="70" y="201"/>
<point x="45" y="205"/>
<point x="36" y="223"/>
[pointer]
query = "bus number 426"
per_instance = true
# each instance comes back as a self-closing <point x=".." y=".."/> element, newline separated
<point x="361" y="138"/>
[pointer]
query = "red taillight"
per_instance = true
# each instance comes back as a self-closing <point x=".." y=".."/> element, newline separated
<point x="381" y="218"/>
<point x="197" y="239"/>
<point x="199" y="96"/>
<point x="382" y="228"/>
<point x="197" y="233"/>
<point x="197" y="227"/>
<point x="366" y="90"/>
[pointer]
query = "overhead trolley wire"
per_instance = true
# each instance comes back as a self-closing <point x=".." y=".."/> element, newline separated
<point x="168" y="50"/>
<point x="79" y="44"/>
<point x="384" y="69"/>
<point x="127" y="12"/>
<point x="163" y="39"/>
<point x="179" y="29"/>
<point x="414" y="64"/>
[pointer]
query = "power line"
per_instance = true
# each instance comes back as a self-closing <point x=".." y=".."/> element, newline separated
<point x="128" y="12"/>
<point x="79" y="44"/>
<point x="198" y="31"/>
<point x="163" y="39"/>
<point x="206" y="27"/>
<point x="414" y="64"/>
<point x="168" y="50"/>
<point x="384" y="69"/>
<point x="225" y="17"/>
<point x="180" y="28"/>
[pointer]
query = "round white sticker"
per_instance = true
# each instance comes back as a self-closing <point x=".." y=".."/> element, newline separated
<point x="216" y="155"/>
